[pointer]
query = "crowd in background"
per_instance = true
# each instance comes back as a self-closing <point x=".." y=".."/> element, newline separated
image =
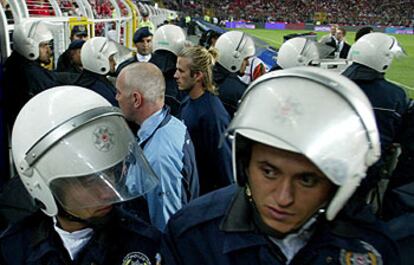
<point x="356" y="12"/>
<point x="353" y="13"/>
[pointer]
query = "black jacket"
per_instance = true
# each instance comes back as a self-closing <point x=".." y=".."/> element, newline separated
<point x="23" y="79"/>
<point x="230" y="88"/>
<point x="123" y="239"/>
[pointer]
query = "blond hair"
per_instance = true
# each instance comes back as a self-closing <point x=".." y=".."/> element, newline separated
<point x="202" y="60"/>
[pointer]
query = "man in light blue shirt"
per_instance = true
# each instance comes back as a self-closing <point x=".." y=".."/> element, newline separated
<point x="164" y="139"/>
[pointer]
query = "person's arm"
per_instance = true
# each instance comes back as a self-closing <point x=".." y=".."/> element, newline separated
<point x="220" y="152"/>
<point x="165" y="199"/>
<point x="170" y="252"/>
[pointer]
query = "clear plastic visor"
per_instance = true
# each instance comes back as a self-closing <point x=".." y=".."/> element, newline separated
<point x="130" y="178"/>
<point x="397" y="50"/>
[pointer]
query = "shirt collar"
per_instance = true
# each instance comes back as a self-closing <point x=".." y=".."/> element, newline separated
<point x="238" y="219"/>
<point x="151" y="124"/>
<point x="238" y="215"/>
<point x="143" y="58"/>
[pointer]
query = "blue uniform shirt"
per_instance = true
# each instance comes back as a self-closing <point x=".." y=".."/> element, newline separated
<point x="170" y="152"/>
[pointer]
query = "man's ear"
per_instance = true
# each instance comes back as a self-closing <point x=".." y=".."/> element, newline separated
<point x="198" y="76"/>
<point x="137" y="99"/>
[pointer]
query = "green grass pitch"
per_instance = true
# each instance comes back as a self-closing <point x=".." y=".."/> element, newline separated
<point x="400" y="72"/>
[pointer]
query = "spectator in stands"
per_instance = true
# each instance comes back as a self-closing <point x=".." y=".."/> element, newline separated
<point x="143" y="43"/>
<point x="234" y="48"/>
<point x="70" y="60"/>
<point x="163" y="138"/>
<point x="205" y="117"/>
<point x="342" y="46"/>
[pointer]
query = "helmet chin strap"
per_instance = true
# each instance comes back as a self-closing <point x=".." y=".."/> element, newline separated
<point x="94" y="222"/>
<point x="264" y="228"/>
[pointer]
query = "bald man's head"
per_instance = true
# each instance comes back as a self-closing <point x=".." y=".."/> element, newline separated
<point x="146" y="78"/>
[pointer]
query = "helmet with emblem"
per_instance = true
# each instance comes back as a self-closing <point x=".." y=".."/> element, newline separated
<point x="78" y="144"/>
<point x="338" y="134"/>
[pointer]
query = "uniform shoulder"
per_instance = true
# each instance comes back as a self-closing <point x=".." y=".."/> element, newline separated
<point x="202" y="210"/>
<point x="133" y="224"/>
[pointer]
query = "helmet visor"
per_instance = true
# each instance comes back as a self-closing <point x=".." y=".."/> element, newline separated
<point x="127" y="179"/>
<point x="397" y="50"/>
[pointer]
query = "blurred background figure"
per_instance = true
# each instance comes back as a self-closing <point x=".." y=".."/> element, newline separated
<point x="79" y="32"/>
<point x="146" y="22"/>
<point x="70" y="60"/>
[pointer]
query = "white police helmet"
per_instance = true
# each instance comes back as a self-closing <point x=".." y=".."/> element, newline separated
<point x="314" y="112"/>
<point x="170" y="38"/>
<point x="376" y="50"/>
<point x="297" y="52"/>
<point x="78" y="144"/>
<point x="233" y="47"/>
<point x="95" y="55"/>
<point x="28" y="35"/>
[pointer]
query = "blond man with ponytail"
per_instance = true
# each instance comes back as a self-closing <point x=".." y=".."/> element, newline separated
<point x="205" y="116"/>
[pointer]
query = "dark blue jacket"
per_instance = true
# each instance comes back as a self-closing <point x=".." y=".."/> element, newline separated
<point x="389" y="101"/>
<point x="125" y="63"/>
<point x="230" y="88"/>
<point x="23" y="80"/>
<point x="206" y="121"/>
<point x="217" y="229"/>
<point x="98" y="83"/>
<point x="166" y="62"/>
<point x="35" y="242"/>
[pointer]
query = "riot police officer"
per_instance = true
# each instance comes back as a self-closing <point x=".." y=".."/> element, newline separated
<point x="24" y="75"/>
<point x="297" y="163"/>
<point x="234" y="48"/>
<point x="98" y="61"/>
<point x="168" y="41"/>
<point x="371" y="57"/>
<point x="74" y="163"/>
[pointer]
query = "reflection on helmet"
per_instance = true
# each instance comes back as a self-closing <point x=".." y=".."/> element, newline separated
<point x="95" y="55"/>
<point x="80" y="151"/>
<point x="297" y="52"/>
<point x="376" y="50"/>
<point x="314" y="112"/>
<point x="170" y="38"/>
<point x="233" y="48"/>
<point x="28" y="35"/>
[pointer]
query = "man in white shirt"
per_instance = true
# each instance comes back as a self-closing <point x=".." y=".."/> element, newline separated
<point x="143" y="43"/>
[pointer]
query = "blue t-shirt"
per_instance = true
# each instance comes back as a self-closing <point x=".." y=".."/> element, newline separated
<point x="206" y="120"/>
